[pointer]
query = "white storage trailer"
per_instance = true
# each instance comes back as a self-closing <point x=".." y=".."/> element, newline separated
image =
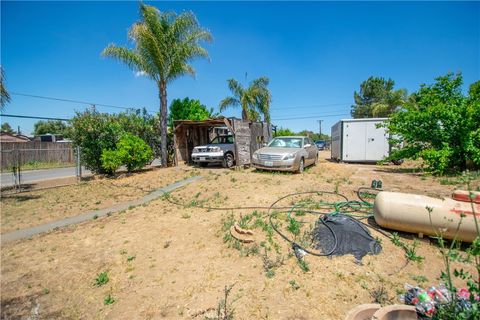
<point x="359" y="140"/>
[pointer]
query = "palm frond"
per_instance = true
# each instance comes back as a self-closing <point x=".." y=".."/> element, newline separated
<point x="236" y="88"/>
<point x="4" y="95"/>
<point x="228" y="102"/>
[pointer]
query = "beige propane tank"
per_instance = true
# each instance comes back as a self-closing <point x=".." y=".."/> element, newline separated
<point x="407" y="212"/>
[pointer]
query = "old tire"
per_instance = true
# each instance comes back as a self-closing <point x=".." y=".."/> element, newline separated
<point x="397" y="162"/>
<point x="228" y="160"/>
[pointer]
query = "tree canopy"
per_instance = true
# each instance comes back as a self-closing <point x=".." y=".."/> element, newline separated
<point x="377" y="98"/>
<point x="440" y="125"/>
<point x="287" y="132"/>
<point x="165" y="44"/>
<point x="7" y="128"/>
<point x="188" y="109"/>
<point x="254" y="99"/>
<point x="50" y="126"/>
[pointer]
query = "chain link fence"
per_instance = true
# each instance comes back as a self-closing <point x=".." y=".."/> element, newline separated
<point x="38" y="165"/>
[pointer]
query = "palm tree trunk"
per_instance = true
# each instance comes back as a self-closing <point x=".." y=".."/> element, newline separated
<point x="244" y="114"/>
<point x="162" y="86"/>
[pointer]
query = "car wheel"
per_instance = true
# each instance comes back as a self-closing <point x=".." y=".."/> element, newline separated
<point x="316" y="160"/>
<point x="228" y="160"/>
<point x="301" y="166"/>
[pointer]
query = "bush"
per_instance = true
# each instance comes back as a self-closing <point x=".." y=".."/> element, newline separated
<point x="440" y="125"/>
<point x="133" y="152"/>
<point x="111" y="161"/>
<point x="95" y="132"/>
<point x="130" y="151"/>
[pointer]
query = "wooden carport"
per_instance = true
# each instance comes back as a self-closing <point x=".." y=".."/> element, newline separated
<point x="248" y="136"/>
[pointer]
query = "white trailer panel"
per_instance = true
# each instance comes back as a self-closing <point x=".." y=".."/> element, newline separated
<point x="359" y="140"/>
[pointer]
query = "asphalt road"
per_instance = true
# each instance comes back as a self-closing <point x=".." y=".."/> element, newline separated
<point x="6" y="179"/>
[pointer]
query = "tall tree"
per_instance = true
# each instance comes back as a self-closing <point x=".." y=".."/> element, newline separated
<point x="254" y="100"/>
<point x="50" y="126"/>
<point x="165" y="44"/>
<point x="188" y="109"/>
<point x="7" y="128"/>
<point x="377" y="98"/>
<point x="4" y="96"/>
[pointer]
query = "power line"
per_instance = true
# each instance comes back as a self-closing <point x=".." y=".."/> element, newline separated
<point x="313" y="116"/>
<point x="32" y="117"/>
<point x="73" y="101"/>
<point x="313" y="106"/>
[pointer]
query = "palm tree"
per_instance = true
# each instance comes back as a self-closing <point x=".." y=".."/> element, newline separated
<point x="254" y="100"/>
<point x="165" y="44"/>
<point x="393" y="100"/>
<point x="4" y="96"/>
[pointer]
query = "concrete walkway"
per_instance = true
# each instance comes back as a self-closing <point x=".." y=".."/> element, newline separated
<point x="26" y="233"/>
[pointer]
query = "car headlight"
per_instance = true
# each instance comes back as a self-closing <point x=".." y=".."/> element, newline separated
<point x="289" y="156"/>
<point x="255" y="156"/>
<point x="215" y="149"/>
<point x="195" y="150"/>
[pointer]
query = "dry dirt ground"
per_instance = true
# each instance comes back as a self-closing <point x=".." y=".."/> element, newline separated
<point x="166" y="261"/>
<point x="33" y="208"/>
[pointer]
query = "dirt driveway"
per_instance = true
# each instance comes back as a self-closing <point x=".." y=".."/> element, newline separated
<point x="165" y="261"/>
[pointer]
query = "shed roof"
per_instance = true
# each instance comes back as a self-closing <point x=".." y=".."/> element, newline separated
<point x="203" y="123"/>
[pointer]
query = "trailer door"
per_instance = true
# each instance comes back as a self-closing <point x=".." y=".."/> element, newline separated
<point x="354" y="141"/>
<point x="376" y="140"/>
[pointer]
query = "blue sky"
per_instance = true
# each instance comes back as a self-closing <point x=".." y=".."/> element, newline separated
<point x="315" y="53"/>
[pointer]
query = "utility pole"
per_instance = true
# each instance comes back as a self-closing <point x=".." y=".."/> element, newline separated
<point x="320" y="127"/>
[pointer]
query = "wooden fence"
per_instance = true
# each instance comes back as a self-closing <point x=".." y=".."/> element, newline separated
<point x="21" y="153"/>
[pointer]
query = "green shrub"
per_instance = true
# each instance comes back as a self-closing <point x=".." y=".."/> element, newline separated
<point x="111" y="161"/>
<point x="133" y="152"/>
<point x="130" y="151"/>
<point x="440" y="125"/>
<point x="95" y="132"/>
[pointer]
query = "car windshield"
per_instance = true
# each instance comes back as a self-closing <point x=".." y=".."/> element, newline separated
<point x="286" y="143"/>
<point x="320" y="142"/>
<point x="222" y="140"/>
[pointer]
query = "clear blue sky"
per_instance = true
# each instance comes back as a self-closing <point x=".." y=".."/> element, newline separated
<point x="315" y="53"/>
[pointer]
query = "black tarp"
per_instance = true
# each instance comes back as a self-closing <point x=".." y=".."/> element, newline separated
<point x="345" y="235"/>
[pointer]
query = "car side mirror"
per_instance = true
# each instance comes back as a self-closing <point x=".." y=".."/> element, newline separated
<point x="308" y="145"/>
<point x="264" y="144"/>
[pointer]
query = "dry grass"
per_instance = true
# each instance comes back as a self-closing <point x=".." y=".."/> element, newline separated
<point x="28" y="209"/>
<point x="182" y="264"/>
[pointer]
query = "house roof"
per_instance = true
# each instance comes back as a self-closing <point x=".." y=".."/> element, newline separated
<point x="9" y="137"/>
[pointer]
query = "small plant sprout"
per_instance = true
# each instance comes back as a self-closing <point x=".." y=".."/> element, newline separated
<point x="101" y="279"/>
<point x="109" y="299"/>
<point x="294" y="285"/>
